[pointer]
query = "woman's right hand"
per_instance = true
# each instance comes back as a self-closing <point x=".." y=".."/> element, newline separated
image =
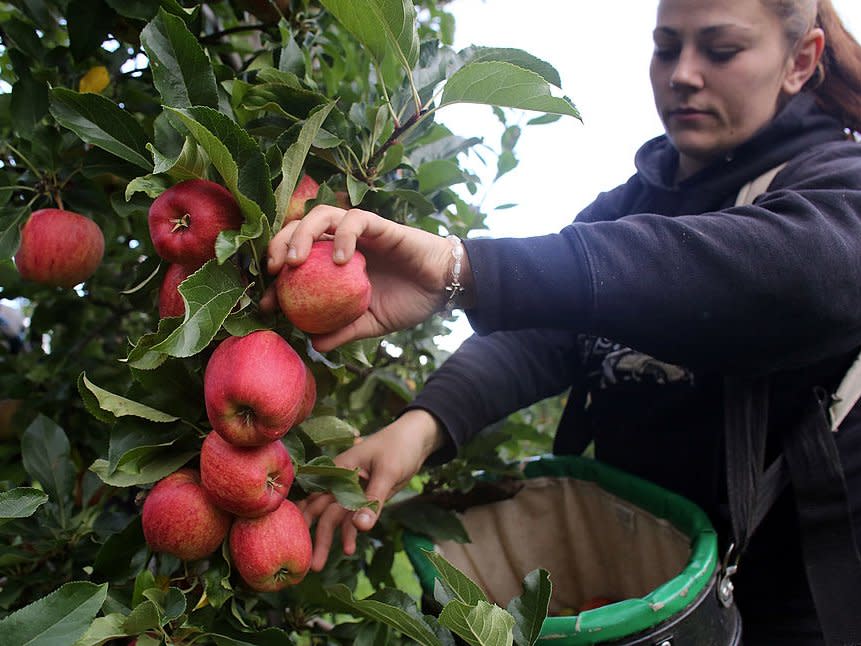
<point x="408" y="268"/>
<point x="386" y="461"/>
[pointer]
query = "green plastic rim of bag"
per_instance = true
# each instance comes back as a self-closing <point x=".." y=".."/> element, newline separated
<point x="629" y="616"/>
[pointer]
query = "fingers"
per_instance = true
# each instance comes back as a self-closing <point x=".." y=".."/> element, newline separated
<point x="331" y="518"/>
<point x="362" y="328"/>
<point x="379" y="488"/>
<point x="292" y="244"/>
<point x="269" y="301"/>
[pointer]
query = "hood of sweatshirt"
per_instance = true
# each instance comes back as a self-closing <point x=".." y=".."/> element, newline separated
<point x="799" y="125"/>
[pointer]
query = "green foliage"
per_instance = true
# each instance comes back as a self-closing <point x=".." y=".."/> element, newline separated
<point x="250" y="94"/>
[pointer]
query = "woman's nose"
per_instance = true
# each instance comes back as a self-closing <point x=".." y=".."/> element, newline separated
<point x="687" y="74"/>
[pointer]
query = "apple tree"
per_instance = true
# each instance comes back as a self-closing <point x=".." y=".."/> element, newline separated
<point x="104" y="106"/>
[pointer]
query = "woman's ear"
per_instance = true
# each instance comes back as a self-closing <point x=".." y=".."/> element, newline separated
<point x="802" y="65"/>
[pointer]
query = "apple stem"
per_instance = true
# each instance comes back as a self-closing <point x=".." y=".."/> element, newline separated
<point x="247" y="415"/>
<point x="273" y="482"/>
<point x="58" y="199"/>
<point x="181" y="223"/>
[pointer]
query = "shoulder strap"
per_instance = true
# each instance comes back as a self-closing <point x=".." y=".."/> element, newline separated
<point x="811" y="462"/>
<point x="756" y="187"/>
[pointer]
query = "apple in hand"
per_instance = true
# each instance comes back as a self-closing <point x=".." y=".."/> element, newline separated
<point x="59" y="248"/>
<point x="170" y="301"/>
<point x="179" y="518"/>
<point x="306" y="189"/>
<point x="185" y="220"/>
<point x="246" y="481"/>
<point x="273" y="551"/>
<point x="253" y="387"/>
<point x="319" y="296"/>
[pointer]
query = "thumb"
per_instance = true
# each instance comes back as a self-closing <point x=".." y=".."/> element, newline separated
<point x="379" y="489"/>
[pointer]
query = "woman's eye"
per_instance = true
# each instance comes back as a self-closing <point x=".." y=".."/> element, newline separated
<point x="666" y="53"/>
<point x="723" y="54"/>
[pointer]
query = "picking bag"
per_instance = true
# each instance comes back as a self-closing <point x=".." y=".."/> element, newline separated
<point x="603" y="535"/>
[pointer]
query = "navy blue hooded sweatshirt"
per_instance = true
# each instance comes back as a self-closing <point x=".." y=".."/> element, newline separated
<point x="650" y="297"/>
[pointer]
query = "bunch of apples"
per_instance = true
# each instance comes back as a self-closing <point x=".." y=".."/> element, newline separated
<point x="256" y="388"/>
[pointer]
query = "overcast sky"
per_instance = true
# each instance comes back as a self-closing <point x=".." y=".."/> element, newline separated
<point x="602" y="52"/>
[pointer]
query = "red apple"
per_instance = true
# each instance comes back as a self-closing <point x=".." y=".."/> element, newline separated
<point x="273" y="551"/>
<point x="319" y="296"/>
<point x="170" y="301"/>
<point x="246" y="481"/>
<point x="306" y="189"/>
<point x="310" y="398"/>
<point x="59" y="248"/>
<point x="179" y="518"/>
<point x="253" y="388"/>
<point x="185" y="220"/>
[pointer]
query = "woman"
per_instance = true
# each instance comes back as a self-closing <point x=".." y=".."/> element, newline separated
<point x="658" y="291"/>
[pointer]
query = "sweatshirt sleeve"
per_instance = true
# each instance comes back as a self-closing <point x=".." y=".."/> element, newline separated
<point x="776" y="283"/>
<point x="491" y="376"/>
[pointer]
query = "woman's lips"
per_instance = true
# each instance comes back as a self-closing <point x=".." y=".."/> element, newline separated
<point x="689" y="114"/>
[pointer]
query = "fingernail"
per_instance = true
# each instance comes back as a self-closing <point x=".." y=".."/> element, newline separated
<point x="365" y="518"/>
<point x="292" y="254"/>
<point x="338" y="256"/>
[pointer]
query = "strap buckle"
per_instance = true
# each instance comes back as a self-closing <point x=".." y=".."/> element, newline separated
<point x="728" y="567"/>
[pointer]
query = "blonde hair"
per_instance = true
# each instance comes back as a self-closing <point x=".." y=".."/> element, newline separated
<point x="837" y="81"/>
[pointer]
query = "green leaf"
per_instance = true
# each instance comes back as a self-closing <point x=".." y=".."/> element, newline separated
<point x="114" y="559"/>
<point x="151" y="185"/>
<point x="10" y="230"/>
<point x="287" y="97"/>
<point x="268" y="637"/>
<point x="530" y="608"/>
<point x="294" y="159"/>
<point x="101" y="122"/>
<point x="58" y="619"/>
<point x="88" y="23"/>
<point x="481" y="625"/>
<point x="130" y="441"/>
<point x="328" y="430"/>
<point x="144" y="616"/>
<point x="461" y="586"/>
<point x="437" y="174"/>
<point x="142" y="356"/>
<point x="243" y="168"/>
<point x="321" y="474"/>
<point x="46" y="454"/>
<point x="103" y="630"/>
<point x="210" y="294"/>
<point x="392" y="158"/>
<point x="132" y="474"/>
<point x="357" y="190"/>
<point x="245" y="322"/>
<point x="381" y="26"/>
<point x="120" y="406"/>
<point x="29" y="103"/>
<point x="478" y="54"/>
<point x="397" y="618"/>
<point x="506" y="85"/>
<point x="181" y="71"/>
<point x="21" y="502"/>
<point x="216" y="581"/>
<point x="190" y="163"/>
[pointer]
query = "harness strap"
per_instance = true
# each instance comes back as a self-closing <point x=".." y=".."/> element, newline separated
<point x="811" y="462"/>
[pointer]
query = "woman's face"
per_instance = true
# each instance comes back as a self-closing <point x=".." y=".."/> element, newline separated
<point x="718" y="69"/>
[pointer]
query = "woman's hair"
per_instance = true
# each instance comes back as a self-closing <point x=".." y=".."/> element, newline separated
<point x="837" y="81"/>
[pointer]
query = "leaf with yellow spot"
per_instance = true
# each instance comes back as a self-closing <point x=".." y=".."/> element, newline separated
<point x="95" y="80"/>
